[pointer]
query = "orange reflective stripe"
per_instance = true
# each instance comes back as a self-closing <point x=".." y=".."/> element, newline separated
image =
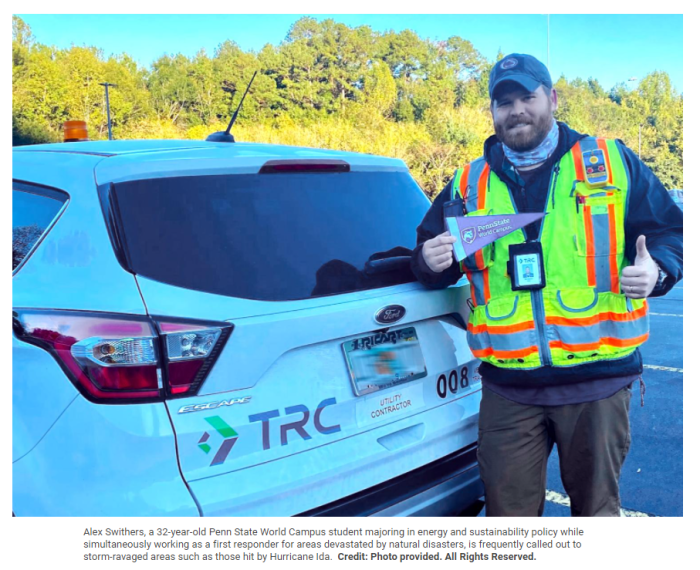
<point x="505" y="353"/>
<point x="578" y="160"/>
<point x="602" y="146"/>
<point x="625" y="342"/>
<point x="590" y="246"/>
<point x="595" y="319"/>
<point x="612" y="224"/>
<point x="610" y="341"/>
<point x="483" y="186"/>
<point x="487" y="288"/>
<point x="463" y="181"/>
<point x="501" y="329"/>
<point x="574" y="347"/>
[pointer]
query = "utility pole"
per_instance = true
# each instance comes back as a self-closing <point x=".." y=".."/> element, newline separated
<point x="109" y="118"/>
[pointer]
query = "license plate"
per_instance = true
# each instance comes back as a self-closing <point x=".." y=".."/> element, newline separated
<point x="383" y="360"/>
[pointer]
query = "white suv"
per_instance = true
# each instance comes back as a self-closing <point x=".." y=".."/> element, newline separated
<point x="232" y="329"/>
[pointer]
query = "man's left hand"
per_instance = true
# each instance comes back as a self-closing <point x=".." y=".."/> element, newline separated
<point x="638" y="280"/>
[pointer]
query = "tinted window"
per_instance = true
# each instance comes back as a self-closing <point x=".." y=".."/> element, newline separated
<point x="271" y="236"/>
<point x="33" y="211"/>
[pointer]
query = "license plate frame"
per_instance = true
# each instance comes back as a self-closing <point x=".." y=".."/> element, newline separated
<point x="395" y="356"/>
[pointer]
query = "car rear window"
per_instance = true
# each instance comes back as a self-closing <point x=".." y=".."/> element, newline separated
<point x="271" y="237"/>
<point x="34" y="210"/>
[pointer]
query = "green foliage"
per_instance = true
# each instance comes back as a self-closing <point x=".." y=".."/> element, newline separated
<point x="325" y="85"/>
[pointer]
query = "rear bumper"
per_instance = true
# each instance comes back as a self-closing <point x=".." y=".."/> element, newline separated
<point x="442" y="488"/>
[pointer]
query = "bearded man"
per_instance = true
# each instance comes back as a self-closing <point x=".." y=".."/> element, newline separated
<point x="558" y="356"/>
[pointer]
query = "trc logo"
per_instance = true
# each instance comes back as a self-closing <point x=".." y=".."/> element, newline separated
<point x="231" y="436"/>
<point x="227" y="432"/>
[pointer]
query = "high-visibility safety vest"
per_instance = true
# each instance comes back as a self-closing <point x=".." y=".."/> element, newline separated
<point x="581" y="314"/>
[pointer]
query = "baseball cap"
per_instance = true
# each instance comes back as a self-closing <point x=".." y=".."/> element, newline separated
<point x="521" y="68"/>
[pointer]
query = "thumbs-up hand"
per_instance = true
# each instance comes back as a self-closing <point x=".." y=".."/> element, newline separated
<point x="638" y="280"/>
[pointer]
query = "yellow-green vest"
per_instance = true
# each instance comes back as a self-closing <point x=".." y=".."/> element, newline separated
<point x="581" y="314"/>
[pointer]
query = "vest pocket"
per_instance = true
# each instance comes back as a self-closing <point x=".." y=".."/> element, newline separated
<point x="599" y="236"/>
<point x="599" y="216"/>
<point x="585" y="325"/>
<point x="503" y="333"/>
<point x="572" y="324"/>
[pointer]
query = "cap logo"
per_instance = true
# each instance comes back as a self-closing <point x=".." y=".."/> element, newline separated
<point x="509" y="63"/>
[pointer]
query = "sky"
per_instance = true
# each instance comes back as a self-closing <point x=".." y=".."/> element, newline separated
<point x="611" y="48"/>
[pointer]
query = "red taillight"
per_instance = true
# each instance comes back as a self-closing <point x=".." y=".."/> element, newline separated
<point x="304" y="165"/>
<point x="182" y="375"/>
<point x="117" y="358"/>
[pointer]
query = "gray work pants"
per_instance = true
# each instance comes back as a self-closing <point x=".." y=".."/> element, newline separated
<point x="515" y="441"/>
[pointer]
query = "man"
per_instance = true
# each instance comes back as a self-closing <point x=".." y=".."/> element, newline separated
<point x="558" y="356"/>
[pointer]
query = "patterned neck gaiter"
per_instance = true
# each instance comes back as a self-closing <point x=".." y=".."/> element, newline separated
<point x="537" y="155"/>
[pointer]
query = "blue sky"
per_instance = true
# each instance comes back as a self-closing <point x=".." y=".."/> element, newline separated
<point x="611" y="48"/>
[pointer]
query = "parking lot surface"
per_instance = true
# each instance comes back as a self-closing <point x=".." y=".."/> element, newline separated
<point x="652" y="476"/>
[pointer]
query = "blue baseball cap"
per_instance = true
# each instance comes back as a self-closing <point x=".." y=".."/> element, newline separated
<point x="521" y="68"/>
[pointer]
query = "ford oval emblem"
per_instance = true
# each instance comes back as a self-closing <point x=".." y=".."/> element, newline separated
<point x="389" y="315"/>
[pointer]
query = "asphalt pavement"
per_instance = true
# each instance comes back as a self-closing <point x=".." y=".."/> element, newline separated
<point x="651" y="483"/>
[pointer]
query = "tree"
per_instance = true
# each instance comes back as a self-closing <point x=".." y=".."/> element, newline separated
<point x="172" y="92"/>
<point x="22" y="40"/>
<point x="84" y="98"/>
<point x="326" y="84"/>
<point x="380" y="89"/>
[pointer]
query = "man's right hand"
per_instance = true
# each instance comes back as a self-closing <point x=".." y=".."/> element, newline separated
<point x="437" y="252"/>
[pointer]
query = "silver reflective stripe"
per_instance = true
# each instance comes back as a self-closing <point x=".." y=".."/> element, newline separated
<point x="476" y="278"/>
<point x="538" y="312"/>
<point x="601" y="238"/>
<point x="507" y="341"/>
<point x="593" y="333"/>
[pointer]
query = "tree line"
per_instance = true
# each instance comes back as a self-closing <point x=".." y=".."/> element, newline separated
<point x="325" y="85"/>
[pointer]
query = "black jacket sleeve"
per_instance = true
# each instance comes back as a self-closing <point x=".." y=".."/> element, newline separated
<point x="433" y="225"/>
<point x="652" y="212"/>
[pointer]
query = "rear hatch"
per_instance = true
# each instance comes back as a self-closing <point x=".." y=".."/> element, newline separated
<point x="325" y="337"/>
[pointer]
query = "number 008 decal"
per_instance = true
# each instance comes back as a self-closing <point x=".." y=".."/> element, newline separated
<point x="453" y="382"/>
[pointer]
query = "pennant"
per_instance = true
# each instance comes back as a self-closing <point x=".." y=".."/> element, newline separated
<point x="476" y="232"/>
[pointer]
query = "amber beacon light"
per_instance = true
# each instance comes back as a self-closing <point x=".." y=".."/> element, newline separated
<point x="74" y="131"/>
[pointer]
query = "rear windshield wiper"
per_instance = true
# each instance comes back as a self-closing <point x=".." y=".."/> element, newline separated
<point x="375" y="266"/>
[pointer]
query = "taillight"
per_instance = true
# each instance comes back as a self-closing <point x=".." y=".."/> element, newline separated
<point x="191" y="349"/>
<point x="122" y="358"/>
<point x="304" y="165"/>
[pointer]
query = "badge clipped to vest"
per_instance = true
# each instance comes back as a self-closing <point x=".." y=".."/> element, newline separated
<point x="595" y="170"/>
<point x="525" y="266"/>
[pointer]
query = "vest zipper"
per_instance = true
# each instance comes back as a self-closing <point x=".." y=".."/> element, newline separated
<point x="537" y="298"/>
<point x="538" y="307"/>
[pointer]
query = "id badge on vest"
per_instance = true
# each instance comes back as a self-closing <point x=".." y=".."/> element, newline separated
<point x="525" y="266"/>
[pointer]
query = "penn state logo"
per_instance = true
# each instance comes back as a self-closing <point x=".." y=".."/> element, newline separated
<point x="468" y="235"/>
<point x="509" y="63"/>
<point x="390" y="314"/>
